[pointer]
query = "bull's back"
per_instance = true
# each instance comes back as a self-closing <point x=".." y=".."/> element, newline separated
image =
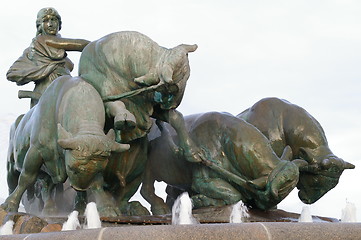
<point x="232" y="142"/>
<point x="284" y="123"/>
<point x="111" y="63"/>
<point x="80" y="103"/>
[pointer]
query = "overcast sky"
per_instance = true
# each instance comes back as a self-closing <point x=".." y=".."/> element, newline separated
<point x="307" y="52"/>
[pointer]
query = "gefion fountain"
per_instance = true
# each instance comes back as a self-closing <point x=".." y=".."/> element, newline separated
<point x="115" y="127"/>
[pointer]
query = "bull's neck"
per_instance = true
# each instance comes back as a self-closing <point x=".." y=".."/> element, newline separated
<point x="319" y="153"/>
<point x="164" y="56"/>
<point x="257" y="161"/>
<point x="87" y="127"/>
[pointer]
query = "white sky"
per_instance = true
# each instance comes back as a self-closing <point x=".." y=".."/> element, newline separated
<point x="307" y="52"/>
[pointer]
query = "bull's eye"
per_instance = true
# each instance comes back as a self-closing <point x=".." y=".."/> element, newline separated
<point x="101" y="153"/>
<point x="158" y="97"/>
<point x="78" y="155"/>
<point x="334" y="169"/>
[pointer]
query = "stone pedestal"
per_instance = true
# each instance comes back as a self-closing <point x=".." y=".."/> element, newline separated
<point x="247" y="231"/>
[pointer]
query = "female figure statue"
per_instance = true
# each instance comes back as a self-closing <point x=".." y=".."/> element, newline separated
<point x="45" y="59"/>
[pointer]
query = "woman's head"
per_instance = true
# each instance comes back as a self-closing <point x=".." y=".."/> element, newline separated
<point x="46" y="15"/>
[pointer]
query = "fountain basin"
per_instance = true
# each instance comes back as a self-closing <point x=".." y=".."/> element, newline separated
<point x="250" y="231"/>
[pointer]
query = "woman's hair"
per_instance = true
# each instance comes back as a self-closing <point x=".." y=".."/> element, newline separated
<point x="41" y="14"/>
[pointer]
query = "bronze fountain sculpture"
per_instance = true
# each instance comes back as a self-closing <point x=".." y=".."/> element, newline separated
<point x="257" y="157"/>
<point x="126" y="83"/>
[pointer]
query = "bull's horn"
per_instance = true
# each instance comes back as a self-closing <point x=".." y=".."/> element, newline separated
<point x="118" y="147"/>
<point x="348" y="165"/>
<point x="70" y="144"/>
<point x="338" y="162"/>
<point x="190" y="48"/>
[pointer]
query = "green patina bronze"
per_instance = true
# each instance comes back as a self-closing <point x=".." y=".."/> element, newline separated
<point x="45" y="59"/>
<point x="151" y="85"/>
<point x="259" y="162"/>
<point x="127" y="81"/>
<point x="240" y="165"/>
<point x="133" y="73"/>
<point x="61" y="138"/>
<point x="284" y="123"/>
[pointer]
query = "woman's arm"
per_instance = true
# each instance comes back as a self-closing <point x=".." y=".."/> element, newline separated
<point x="66" y="43"/>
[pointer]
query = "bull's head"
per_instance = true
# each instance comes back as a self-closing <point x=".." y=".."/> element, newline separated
<point x="319" y="175"/>
<point x="174" y="75"/>
<point x="277" y="185"/>
<point x="87" y="155"/>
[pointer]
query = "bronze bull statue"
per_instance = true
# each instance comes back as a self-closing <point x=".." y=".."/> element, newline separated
<point x="120" y="64"/>
<point x="241" y="165"/>
<point x="284" y="123"/>
<point x="62" y="136"/>
<point x="137" y="79"/>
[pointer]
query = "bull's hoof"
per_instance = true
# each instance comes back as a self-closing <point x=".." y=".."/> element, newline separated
<point x="9" y="206"/>
<point x="201" y="200"/>
<point x="108" y="211"/>
<point x="49" y="209"/>
<point x="134" y="209"/>
<point x="49" y="212"/>
<point x="124" y="121"/>
<point x="160" y="210"/>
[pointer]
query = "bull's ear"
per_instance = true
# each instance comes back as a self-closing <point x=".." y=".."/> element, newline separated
<point x="307" y="155"/>
<point x="65" y="138"/>
<point x="190" y="48"/>
<point x="287" y="153"/>
<point x="166" y="74"/>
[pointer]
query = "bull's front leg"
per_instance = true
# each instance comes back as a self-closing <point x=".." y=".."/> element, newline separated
<point x="46" y="187"/>
<point x="191" y="152"/>
<point x="28" y="175"/>
<point x="158" y="207"/>
<point x="12" y="173"/>
<point x="133" y="208"/>
<point x="105" y="202"/>
<point x="123" y="119"/>
<point x="212" y="191"/>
